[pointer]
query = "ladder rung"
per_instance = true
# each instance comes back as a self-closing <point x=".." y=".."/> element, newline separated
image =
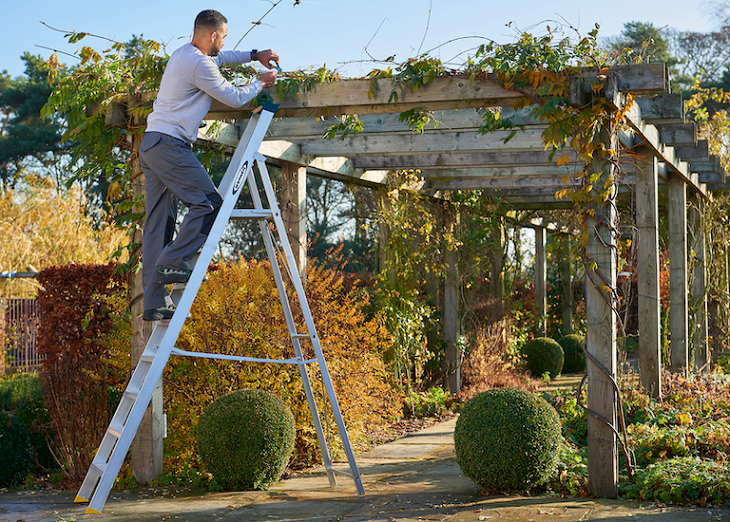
<point x="148" y="358"/>
<point x="252" y="214"/>
<point x="301" y="336"/>
<point x="97" y="469"/>
<point x="114" y="431"/>
<point x="131" y="394"/>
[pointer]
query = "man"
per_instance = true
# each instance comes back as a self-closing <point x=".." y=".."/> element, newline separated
<point x="191" y="81"/>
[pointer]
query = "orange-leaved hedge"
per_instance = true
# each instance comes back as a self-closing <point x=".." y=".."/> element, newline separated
<point x="238" y="312"/>
<point x="80" y="306"/>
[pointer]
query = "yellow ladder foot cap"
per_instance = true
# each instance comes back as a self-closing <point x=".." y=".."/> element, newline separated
<point x="91" y="511"/>
<point x="80" y="499"/>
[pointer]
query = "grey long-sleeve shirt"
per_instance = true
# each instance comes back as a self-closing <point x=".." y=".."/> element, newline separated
<point x="189" y="84"/>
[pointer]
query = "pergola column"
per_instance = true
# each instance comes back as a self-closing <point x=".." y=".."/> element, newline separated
<point x="452" y="326"/>
<point x="566" y="285"/>
<point x="601" y="335"/>
<point x="649" y="305"/>
<point x="678" y="319"/>
<point x="541" y="280"/>
<point x="496" y="281"/>
<point x="294" y="210"/>
<point x="699" y="288"/>
<point x="147" y="446"/>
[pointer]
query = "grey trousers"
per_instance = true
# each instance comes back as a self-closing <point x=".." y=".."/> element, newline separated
<point x="172" y="174"/>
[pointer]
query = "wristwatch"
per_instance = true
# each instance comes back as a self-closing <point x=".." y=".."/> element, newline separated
<point x="254" y="55"/>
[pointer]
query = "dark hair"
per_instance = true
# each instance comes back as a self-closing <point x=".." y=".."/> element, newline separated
<point x="209" y="19"/>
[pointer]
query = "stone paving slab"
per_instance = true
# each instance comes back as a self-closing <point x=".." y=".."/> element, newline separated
<point x="414" y="479"/>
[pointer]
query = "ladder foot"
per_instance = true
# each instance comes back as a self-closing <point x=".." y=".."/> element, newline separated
<point x="80" y="499"/>
<point x="92" y="511"/>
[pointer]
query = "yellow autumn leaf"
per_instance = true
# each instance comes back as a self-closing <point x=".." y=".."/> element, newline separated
<point x="563" y="160"/>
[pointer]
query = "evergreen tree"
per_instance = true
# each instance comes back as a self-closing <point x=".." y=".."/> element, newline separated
<point x="27" y="142"/>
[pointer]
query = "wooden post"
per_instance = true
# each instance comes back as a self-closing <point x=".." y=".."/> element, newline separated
<point x="452" y="328"/>
<point x="647" y="222"/>
<point x="699" y="289"/>
<point x="541" y="281"/>
<point x="496" y="280"/>
<point x="678" y="320"/>
<point x="294" y="210"/>
<point x="601" y="338"/>
<point x="147" y="446"/>
<point x="566" y="285"/>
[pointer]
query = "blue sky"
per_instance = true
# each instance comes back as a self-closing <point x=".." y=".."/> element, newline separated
<point x="327" y="32"/>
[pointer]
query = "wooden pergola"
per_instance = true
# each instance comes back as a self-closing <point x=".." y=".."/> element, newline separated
<point x="660" y="156"/>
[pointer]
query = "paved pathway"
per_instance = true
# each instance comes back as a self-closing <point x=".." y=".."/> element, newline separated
<point x="415" y="478"/>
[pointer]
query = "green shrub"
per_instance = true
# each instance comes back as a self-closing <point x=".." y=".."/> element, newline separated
<point x="245" y="439"/>
<point x="681" y="480"/>
<point x="34" y="416"/>
<point x="543" y="355"/>
<point x="573" y="355"/>
<point x="19" y="388"/>
<point x="507" y="439"/>
<point x="16" y="451"/>
<point x="426" y="404"/>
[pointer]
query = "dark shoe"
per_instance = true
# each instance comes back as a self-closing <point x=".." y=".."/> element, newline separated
<point x="165" y="275"/>
<point x="159" y="314"/>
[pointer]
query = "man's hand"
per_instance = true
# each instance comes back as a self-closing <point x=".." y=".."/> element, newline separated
<point x="267" y="56"/>
<point x="268" y="79"/>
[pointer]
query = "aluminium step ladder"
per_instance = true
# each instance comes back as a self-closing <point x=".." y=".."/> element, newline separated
<point x="124" y="424"/>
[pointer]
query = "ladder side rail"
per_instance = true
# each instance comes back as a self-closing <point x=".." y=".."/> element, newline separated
<point x="171" y="331"/>
<point x="248" y="134"/>
<point x="125" y="439"/>
<point x="121" y="414"/>
<point x="299" y="288"/>
<point x="283" y="297"/>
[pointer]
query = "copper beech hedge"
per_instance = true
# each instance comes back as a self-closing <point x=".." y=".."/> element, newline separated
<point x="80" y="306"/>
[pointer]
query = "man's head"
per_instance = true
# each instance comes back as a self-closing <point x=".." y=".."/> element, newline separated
<point x="211" y="28"/>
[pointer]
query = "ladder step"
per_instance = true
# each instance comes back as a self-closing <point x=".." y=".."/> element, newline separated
<point x="252" y="214"/>
<point x="146" y="357"/>
<point x="301" y="336"/>
<point x="131" y="394"/>
<point x="97" y="469"/>
<point x="115" y="431"/>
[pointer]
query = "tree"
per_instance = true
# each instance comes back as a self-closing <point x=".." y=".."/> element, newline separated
<point x="643" y="42"/>
<point x="27" y="141"/>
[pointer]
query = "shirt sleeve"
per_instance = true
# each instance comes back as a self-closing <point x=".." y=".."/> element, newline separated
<point x="209" y="79"/>
<point x="232" y="57"/>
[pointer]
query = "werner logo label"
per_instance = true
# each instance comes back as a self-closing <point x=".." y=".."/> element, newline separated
<point x="240" y="178"/>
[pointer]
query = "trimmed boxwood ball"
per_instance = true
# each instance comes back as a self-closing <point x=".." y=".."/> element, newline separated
<point x="16" y="451"/>
<point x="245" y="439"/>
<point x="543" y="354"/>
<point x="574" y="357"/>
<point x="507" y="440"/>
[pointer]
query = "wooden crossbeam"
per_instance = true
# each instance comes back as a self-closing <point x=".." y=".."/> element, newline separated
<point x="662" y="108"/>
<point x="360" y="96"/>
<point x="446" y="142"/>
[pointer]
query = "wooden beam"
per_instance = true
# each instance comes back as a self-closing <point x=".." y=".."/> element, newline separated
<point x="443" y="93"/>
<point x="662" y="108"/>
<point x="649" y="305"/>
<point x="678" y="323"/>
<point x="650" y="136"/>
<point x="679" y="135"/>
<point x="452" y="159"/>
<point x="368" y="97"/>
<point x="432" y="143"/>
